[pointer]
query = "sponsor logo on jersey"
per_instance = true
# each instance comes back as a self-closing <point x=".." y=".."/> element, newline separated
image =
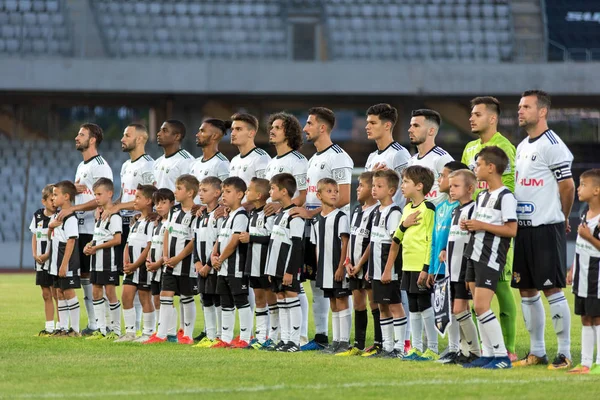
<point x="531" y="182"/>
<point x="525" y="208"/>
<point x="433" y="194"/>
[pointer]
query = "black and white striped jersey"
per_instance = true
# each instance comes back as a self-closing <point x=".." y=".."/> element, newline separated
<point x="180" y="234"/>
<point x="133" y="173"/>
<point x="156" y="248"/>
<point x="333" y="162"/>
<point x="292" y="162"/>
<point x="259" y="228"/>
<point x="250" y="165"/>
<point x="360" y="234"/>
<point x="108" y="259"/>
<point x="327" y="232"/>
<point x="140" y="236"/>
<point x="394" y="157"/>
<point x="434" y="159"/>
<point x="586" y="273"/>
<point x="168" y="169"/>
<point x="385" y="222"/>
<point x="88" y="172"/>
<point x="69" y="229"/>
<point x="235" y="223"/>
<point x="39" y="228"/>
<point x="286" y="253"/>
<point x="206" y="233"/>
<point x="458" y="239"/>
<point x="497" y="208"/>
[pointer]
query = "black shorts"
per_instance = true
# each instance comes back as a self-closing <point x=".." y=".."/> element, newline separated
<point x="72" y="282"/>
<point x="277" y="285"/>
<point x="540" y="260"/>
<point x="229" y="285"/>
<point x="587" y="306"/>
<point x="208" y="285"/>
<point x="358" y="284"/>
<point x="386" y="294"/>
<point x="121" y="247"/>
<point x="144" y="285"/>
<point x="103" y="278"/>
<point x="459" y="291"/>
<point x="85" y="261"/>
<point x="309" y="272"/>
<point x="409" y="283"/>
<point x="181" y="285"/>
<point x="336" y="293"/>
<point x="482" y="275"/>
<point x="44" y="279"/>
<point x="260" y="283"/>
<point x="155" y="288"/>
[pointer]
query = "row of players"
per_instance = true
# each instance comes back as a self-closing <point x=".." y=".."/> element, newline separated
<point x="533" y="110"/>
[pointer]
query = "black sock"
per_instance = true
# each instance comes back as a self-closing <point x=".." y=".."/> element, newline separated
<point x="360" y="328"/>
<point x="321" y="339"/>
<point x="376" y="327"/>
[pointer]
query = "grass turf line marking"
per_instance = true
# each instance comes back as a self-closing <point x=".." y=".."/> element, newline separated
<point x="318" y="386"/>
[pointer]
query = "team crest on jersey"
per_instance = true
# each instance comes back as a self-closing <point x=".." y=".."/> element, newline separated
<point x="167" y="170"/>
<point x="260" y="223"/>
<point x="339" y="174"/>
<point x="214" y="223"/>
<point x="245" y="168"/>
<point x="84" y="175"/>
<point x="283" y="222"/>
<point x="135" y="173"/>
<point x="322" y="165"/>
<point x="186" y="220"/>
<point x="205" y="172"/>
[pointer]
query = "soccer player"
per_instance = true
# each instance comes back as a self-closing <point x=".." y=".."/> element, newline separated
<point x="105" y="257"/>
<point x="381" y="119"/>
<point x="414" y="234"/>
<point x="585" y="271"/>
<point x="175" y="161"/>
<point x="485" y="112"/>
<point x="64" y="258"/>
<point x="206" y="232"/>
<point x="163" y="200"/>
<point x="212" y="162"/>
<point x="257" y="240"/>
<point x="330" y="233"/>
<point x="385" y="279"/>
<point x="424" y="127"/>
<point x="439" y="240"/>
<point x="40" y="251"/>
<point x="493" y="225"/>
<point x="138" y="280"/>
<point x="229" y="259"/>
<point x="283" y="263"/>
<point x="251" y="161"/>
<point x="357" y="265"/>
<point x="545" y="191"/>
<point x="462" y="183"/>
<point x="179" y="275"/>
<point x="92" y="168"/>
<point x="330" y="161"/>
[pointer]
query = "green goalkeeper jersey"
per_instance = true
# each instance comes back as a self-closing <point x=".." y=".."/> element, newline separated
<point x="474" y="147"/>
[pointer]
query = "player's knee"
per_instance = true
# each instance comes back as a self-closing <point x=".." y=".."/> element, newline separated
<point x="46" y="294"/>
<point x="240" y="300"/>
<point x="550" y="292"/>
<point x="481" y="308"/>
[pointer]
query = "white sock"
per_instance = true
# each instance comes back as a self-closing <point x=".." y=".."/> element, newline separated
<point x="149" y="323"/>
<point x="166" y="309"/>
<point x="295" y="313"/>
<point x="486" y="348"/>
<point x="320" y="310"/>
<point x="335" y="325"/>
<point x="304" y="309"/>
<point x="157" y="317"/>
<point x="453" y="335"/>
<point x="284" y="321"/>
<point x="416" y="327"/>
<point x="210" y="322"/>
<point x="138" y="311"/>
<point x="100" y="315"/>
<point x="219" y="312"/>
<point x="74" y="312"/>
<point x="588" y="337"/>
<point x="49" y="326"/>
<point x="274" y="320"/>
<point x="387" y="333"/>
<point x="106" y="305"/>
<point x="115" y="317"/>
<point x="404" y="298"/>
<point x="262" y="322"/>
<point x="469" y="331"/>
<point x="597" y="331"/>
<point x="430" y="332"/>
<point x="129" y="319"/>
<point x="89" y="303"/>
<point x="228" y="324"/>
<point x="172" y="321"/>
<point x="535" y="321"/>
<point x="400" y="333"/>
<point x="345" y="317"/>
<point x="63" y="315"/>
<point x="181" y="315"/>
<point x="246" y="318"/>
<point x="561" y="321"/>
<point x="252" y="300"/>
<point x="493" y="333"/>
<point x="188" y="315"/>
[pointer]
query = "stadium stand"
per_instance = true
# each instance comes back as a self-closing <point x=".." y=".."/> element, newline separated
<point x="34" y="27"/>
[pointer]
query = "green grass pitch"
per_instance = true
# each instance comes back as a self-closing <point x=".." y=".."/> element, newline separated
<point x="34" y="367"/>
